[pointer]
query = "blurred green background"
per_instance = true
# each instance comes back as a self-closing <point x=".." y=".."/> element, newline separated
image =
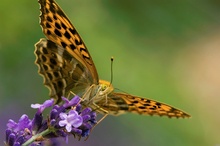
<point x="165" y="50"/>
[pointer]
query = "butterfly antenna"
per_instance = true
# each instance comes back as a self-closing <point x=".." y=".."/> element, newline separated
<point x="112" y="59"/>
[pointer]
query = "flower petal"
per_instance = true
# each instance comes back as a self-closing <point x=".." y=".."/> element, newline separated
<point x="62" y="123"/>
<point x="68" y="127"/>
<point x="63" y="116"/>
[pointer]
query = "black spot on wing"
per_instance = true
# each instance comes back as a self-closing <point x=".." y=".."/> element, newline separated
<point x="49" y="19"/>
<point x="56" y="74"/>
<point x="73" y="47"/>
<point x="67" y="35"/>
<point x="73" y="31"/>
<point x="78" y="42"/>
<point x="60" y="84"/>
<point x="142" y="107"/>
<point x="63" y="25"/>
<point x="135" y="101"/>
<point x="158" y="104"/>
<point x="45" y="67"/>
<point x="49" y="76"/>
<point x="48" y="32"/>
<point x="53" y="61"/>
<point x="44" y="50"/>
<point x="57" y="25"/>
<point x="146" y="104"/>
<point x="153" y="108"/>
<point x="43" y="58"/>
<point x="51" y="66"/>
<point x="57" y="32"/>
<point x="63" y="44"/>
<point x="48" y="25"/>
<point x="54" y="17"/>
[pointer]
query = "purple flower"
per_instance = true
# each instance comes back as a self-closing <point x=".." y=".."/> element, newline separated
<point x="41" y="107"/>
<point x="73" y="102"/>
<point x="24" y="122"/>
<point x="72" y="119"/>
<point x="17" y="133"/>
<point x="70" y="114"/>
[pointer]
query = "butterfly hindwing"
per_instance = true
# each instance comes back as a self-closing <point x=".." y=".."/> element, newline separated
<point x="60" y="70"/>
<point x="119" y="103"/>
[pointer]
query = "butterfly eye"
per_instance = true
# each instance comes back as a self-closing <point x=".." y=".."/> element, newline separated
<point x="103" y="87"/>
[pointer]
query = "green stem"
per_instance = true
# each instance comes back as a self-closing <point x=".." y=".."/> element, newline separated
<point x="33" y="138"/>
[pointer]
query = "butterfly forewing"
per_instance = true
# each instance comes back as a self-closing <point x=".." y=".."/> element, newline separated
<point x="57" y="28"/>
<point x="120" y="103"/>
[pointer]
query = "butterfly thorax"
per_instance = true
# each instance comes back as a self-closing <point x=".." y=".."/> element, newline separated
<point x="98" y="92"/>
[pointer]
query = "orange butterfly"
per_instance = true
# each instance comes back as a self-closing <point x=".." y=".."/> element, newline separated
<point x="67" y="66"/>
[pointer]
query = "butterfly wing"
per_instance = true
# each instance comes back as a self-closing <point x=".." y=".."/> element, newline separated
<point x="120" y="103"/>
<point x="60" y="70"/>
<point x="57" y="28"/>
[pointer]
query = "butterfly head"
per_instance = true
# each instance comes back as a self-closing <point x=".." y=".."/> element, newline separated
<point x="105" y="87"/>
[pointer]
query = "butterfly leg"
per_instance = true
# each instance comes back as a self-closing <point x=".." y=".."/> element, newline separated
<point x="86" y="96"/>
<point x="101" y="119"/>
<point x="96" y="124"/>
<point x="105" y="115"/>
<point x="71" y="93"/>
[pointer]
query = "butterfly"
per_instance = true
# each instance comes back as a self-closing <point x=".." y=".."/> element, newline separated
<point x="66" y="66"/>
